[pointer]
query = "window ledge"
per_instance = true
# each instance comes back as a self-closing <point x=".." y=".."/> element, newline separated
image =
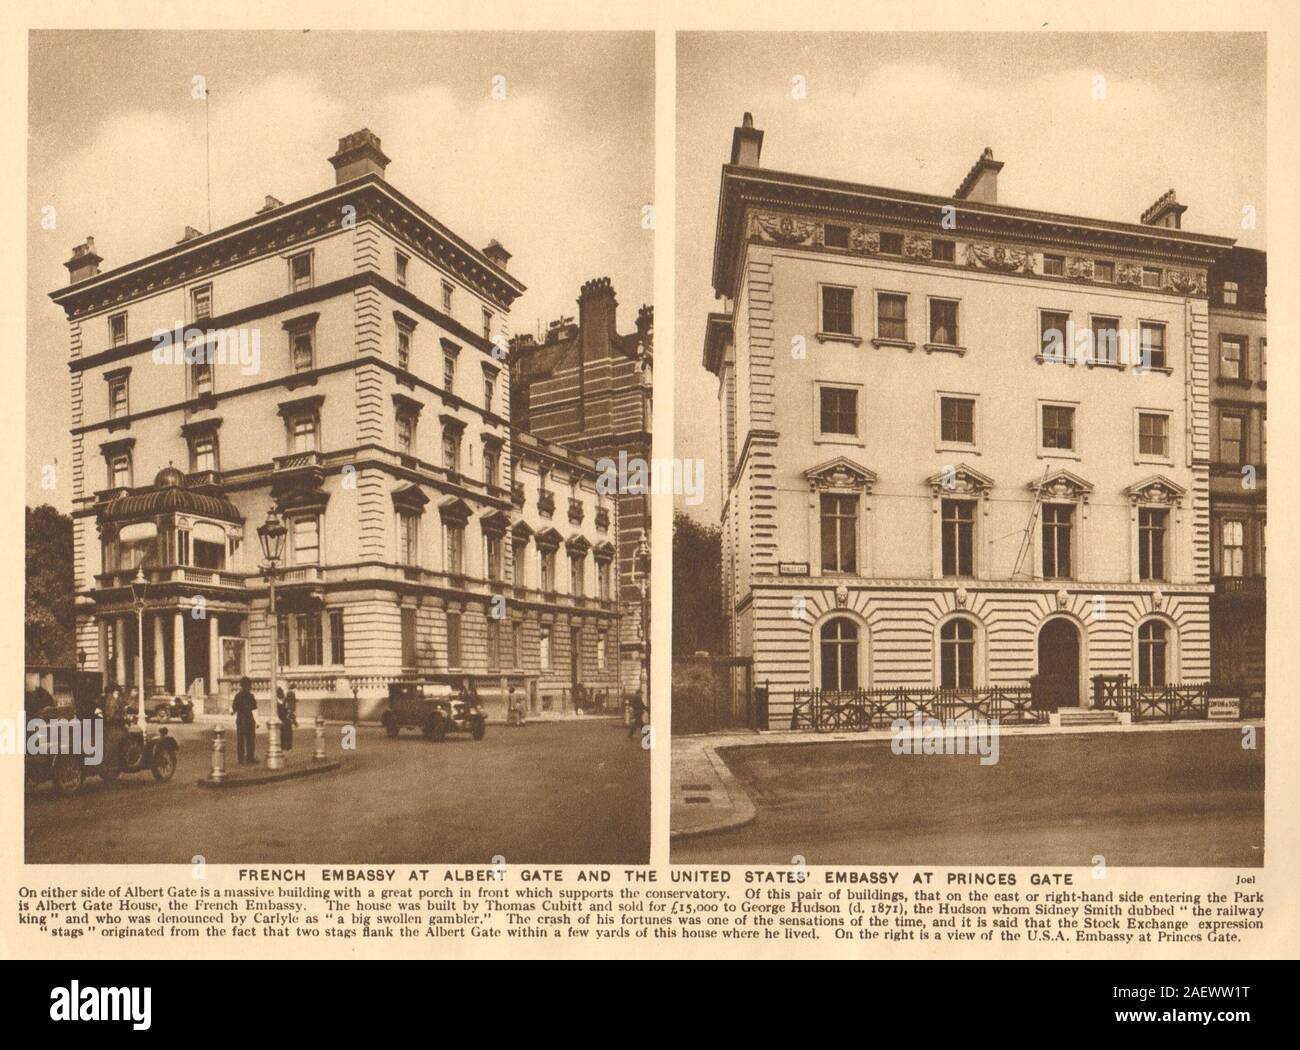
<point x="1054" y="359"/>
<point x="1224" y="381"/>
<point x="1117" y="366"/>
<point x="944" y="348"/>
<point x="837" y="439"/>
<point x="1143" y="369"/>
<point x="1154" y="461"/>
<point x="949" y="446"/>
<point x="839" y="337"/>
<point x="1058" y="453"/>
<point x="902" y="343"/>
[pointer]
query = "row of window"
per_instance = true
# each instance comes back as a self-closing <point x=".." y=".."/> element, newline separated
<point x="841" y="654"/>
<point x="839" y="418"/>
<point x="1104" y="341"/>
<point x="301" y="277"/>
<point x="1058" y="526"/>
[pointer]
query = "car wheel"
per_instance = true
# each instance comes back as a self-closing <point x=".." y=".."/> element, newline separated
<point x="68" y="775"/>
<point x="164" y="764"/>
<point x="479" y="728"/>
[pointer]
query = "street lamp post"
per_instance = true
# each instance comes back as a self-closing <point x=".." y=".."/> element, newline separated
<point x="139" y="585"/>
<point x="271" y="534"/>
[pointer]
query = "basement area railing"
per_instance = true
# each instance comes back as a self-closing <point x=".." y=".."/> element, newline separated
<point x="826" y="711"/>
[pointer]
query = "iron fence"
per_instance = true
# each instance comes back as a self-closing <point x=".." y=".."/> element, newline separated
<point x="826" y="711"/>
<point x="1170" y="703"/>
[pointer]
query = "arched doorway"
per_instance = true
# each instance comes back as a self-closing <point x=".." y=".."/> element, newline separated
<point x="1058" y="663"/>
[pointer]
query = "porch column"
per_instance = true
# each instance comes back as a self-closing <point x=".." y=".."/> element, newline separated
<point x="119" y="649"/>
<point x="178" y="651"/>
<point x="159" y="654"/>
<point x="105" y="672"/>
<point x="214" y="654"/>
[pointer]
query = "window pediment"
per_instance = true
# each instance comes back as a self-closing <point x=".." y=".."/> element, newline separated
<point x="455" y="510"/>
<point x="840" y="473"/>
<point x="410" y="498"/>
<point x="495" y="523"/>
<point x="1156" y="489"/>
<point x="959" y="480"/>
<point x="1062" y="485"/>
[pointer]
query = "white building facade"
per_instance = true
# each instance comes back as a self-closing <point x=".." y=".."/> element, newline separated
<point x="940" y="467"/>
<point x="358" y="385"/>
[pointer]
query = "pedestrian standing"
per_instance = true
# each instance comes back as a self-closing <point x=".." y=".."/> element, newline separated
<point x="638" y="712"/>
<point x="243" y="707"/>
<point x="286" y="706"/>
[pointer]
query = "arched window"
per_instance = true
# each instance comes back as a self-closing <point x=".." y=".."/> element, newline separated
<point x="839" y="640"/>
<point x="957" y="655"/>
<point x="1153" y="654"/>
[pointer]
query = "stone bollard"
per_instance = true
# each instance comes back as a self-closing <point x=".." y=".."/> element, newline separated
<point x="319" y="754"/>
<point x="218" y="773"/>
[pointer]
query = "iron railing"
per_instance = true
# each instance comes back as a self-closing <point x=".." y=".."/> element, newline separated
<point x="827" y="711"/>
<point x="1169" y="703"/>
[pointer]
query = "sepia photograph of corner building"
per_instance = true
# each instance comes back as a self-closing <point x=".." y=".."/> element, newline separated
<point x="990" y="458"/>
<point x="335" y="459"/>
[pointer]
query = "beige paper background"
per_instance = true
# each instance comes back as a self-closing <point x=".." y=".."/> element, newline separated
<point x="1279" y="879"/>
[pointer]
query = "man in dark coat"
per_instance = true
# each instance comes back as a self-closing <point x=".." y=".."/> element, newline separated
<point x="286" y="710"/>
<point x="244" y="707"/>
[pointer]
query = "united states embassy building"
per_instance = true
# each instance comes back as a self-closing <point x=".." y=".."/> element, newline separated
<point x="339" y="362"/>
<point x="962" y="443"/>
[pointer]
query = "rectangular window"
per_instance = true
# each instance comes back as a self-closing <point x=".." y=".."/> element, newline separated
<point x="891" y="316"/>
<point x="577" y="575"/>
<point x="487" y="324"/>
<point x="957" y="420"/>
<point x="1151" y="277"/>
<point x="203" y="453"/>
<point x="309" y="639"/>
<point x="304" y="349"/>
<point x="1058" y="427"/>
<point x="119" y="471"/>
<point x="514" y="645"/>
<point x="453" y="639"/>
<point x="494" y="645"/>
<point x="1229" y="293"/>
<point x="943" y="251"/>
<point x="456" y="550"/>
<point x="544" y="647"/>
<point x="200" y="379"/>
<point x="118" y="401"/>
<point x="1054" y="265"/>
<point x="839" y="533"/>
<point x="891" y="244"/>
<point x="1233" y="560"/>
<point x="1053" y="328"/>
<point x="451" y="450"/>
<point x="1232" y="439"/>
<point x="837" y="310"/>
<point x="958" y="528"/>
<point x="943" y="322"/>
<point x="1058" y="524"/>
<point x="1105" y="340"/>
<point x="602" y="643"/>
<point x="201" y="302"/>
<point x="548" y="571"/>
<point x="603" y="579"/>
<point x="489" y="392"/>
<point x="338" y="649"/>
<point x="836" y="236"/>
<point x="1153" y="434"/>
<point x="494" y="552"/>
<point x="491" y="467"/>
<point x="839" y="411"/>
<point x="400" y="263"/>
<point x="1151" y="543"/>
<point x="300" y="272"/>
<point x="405" y="433"/>
<point x="408" y="538"/>
<point x="282" y="638"/>
<point x="304" y="539"/>
<point x="449" y="372"/>
<point x="1232" y="357"/>
<point x="1103" y="270"/>
<point x="302" y="434"/>
<point x="1153" y="345"/>
<point x="447" y="289"/>
<point x="403" y="348"/>
<point x="117" y="329"/>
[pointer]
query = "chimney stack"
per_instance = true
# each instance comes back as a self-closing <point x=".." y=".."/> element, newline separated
<point x="746" y="143"/>
<point x="497" y="253"/>
<point x="981" y="182"/>
<point x="597" y="309"/>
<point x="1166" y="212"/>
<point x="358" y="154"/>
<point x="189" y="234"/>
<point x="271" y="204"/>
<point x="84" y="262"/>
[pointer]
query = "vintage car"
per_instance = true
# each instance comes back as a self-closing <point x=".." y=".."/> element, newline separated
<point x="411" y="707"/>
<point x="129" y="749"/>
<point x="180" y="707"/>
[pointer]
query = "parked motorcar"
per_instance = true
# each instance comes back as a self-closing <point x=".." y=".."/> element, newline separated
<point x="180" y="707"/>
<point x="130" y="749"/>
<point x="411" y="707"/>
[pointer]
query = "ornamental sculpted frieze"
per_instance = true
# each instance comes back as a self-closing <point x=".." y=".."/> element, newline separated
<point x="783" y="229"/>
<point x="1186" y="282"/>
<point x="1000" y="258"/>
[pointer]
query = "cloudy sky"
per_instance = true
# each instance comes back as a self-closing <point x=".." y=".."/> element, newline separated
<point x="914" y="110"/>
<point x="558" y="171"/>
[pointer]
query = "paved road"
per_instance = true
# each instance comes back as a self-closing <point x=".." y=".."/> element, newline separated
<point x="555" y="792"/>
<point x="1185" y="798"/>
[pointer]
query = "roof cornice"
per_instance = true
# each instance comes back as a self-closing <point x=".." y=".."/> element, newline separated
<point x="272" y="232"/>
<point x="743" y="188"/>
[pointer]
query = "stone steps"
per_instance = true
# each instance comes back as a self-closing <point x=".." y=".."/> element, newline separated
<point x="1086" y="717"/>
